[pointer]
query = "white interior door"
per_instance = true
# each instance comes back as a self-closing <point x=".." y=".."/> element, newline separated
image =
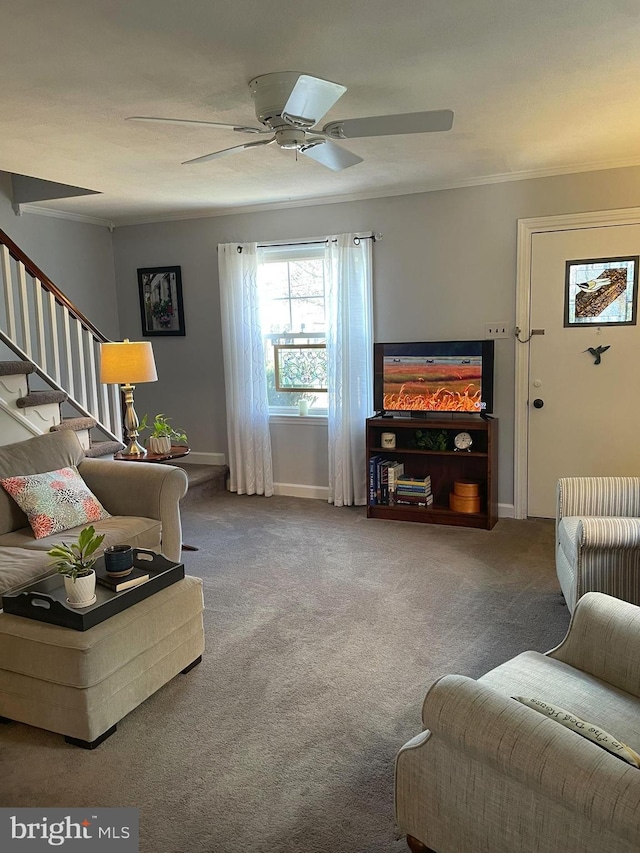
<point x="589" y="421"/>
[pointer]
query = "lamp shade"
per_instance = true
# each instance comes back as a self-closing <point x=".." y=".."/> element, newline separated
<point x="127" y="363"/>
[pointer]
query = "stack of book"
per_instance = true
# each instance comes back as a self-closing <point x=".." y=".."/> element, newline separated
<point x="413" y="491"/>
<point x="383" y="474"/>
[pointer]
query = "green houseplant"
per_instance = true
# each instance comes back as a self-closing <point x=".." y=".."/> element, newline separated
<point x="75" y="561"/>
<point x="162" y="435"/>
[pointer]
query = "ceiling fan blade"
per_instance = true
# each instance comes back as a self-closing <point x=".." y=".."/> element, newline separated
<point x="225" y="153"/>
<point x="310" y="99"/>
<point x="240" y="128"/>
<point x="428" y="122"/>
<point x="334" y="156"/>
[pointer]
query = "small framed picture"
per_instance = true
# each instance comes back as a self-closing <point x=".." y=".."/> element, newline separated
<point x="601" y="292"/>
<point x="161" y="310"/>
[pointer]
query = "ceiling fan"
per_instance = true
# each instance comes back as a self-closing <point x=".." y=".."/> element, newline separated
<point x="289" y="105"/>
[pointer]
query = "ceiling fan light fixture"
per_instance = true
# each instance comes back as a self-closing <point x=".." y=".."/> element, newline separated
<point x="291" y="138"/>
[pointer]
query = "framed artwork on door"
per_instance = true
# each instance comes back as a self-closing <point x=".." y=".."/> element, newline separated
<point x="601" y="292"/>
<point x="161" y="309"/>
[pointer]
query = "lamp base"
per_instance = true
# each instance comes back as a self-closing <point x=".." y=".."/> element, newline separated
<point x="131" y="424"/>
<point x="134" y="448"/>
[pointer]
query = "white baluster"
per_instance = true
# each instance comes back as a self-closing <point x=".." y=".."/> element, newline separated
<point x="104" y="406"/>
<point x="83" y="374"/>
<point x="116" y="420"/>
<point x="24" y="310"/>
<point x="70" y="386"/>
<point x="55" y="343"/>
<point x="40" y="328"/>
<point x="93" y="380"/>
<point x="8" y="292"/>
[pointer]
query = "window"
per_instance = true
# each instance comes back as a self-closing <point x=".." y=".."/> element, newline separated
<point x="291" y="283"/>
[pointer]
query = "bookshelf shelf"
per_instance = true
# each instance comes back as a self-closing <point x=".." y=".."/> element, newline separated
<point x="390" y="452"/>
<point x="442" y="466"/>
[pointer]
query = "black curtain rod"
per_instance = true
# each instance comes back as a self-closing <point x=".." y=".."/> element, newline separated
<point x="356" y="240"/>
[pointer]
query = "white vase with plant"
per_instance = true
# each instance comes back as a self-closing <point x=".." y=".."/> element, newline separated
<point x="75" y="562"/>
<point x="163" y="435"/>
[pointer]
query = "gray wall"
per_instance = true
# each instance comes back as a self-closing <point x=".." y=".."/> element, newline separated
<point x="77" y="257"/>
<point x="445" y="267"/>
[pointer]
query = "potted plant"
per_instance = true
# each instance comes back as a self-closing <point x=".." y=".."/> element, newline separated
<point x="75" y="562"/>
<point x="163" y="435"/>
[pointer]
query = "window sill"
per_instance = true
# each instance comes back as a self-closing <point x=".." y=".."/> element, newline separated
<point x="294" y="416"/>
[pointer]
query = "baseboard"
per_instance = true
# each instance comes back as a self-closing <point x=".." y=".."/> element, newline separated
<point x="297" y="490"/>
<point x="506" y="511"/>
<point x="197" y="458"/>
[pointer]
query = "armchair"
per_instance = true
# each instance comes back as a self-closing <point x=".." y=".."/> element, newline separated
<point x="598" y="537"/>
<point x="490" y="774"/>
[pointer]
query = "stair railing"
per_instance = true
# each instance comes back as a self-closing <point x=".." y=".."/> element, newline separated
<point x="41" y="325"/>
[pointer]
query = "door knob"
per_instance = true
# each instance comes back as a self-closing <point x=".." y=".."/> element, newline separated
<point x="538" y="403"/>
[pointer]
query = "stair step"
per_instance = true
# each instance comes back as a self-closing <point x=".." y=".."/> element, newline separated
<point x="75" y="424"/>
<point x="16" y="368"/>
<point x="41" y="398"/>
<point x="204" y="481"/>
<point x="103" y="448"/>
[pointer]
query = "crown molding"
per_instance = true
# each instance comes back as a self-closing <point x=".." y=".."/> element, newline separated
<point x="414" y="189"/>
<point x="505" y="177"/>
<point x="63" y="214"/>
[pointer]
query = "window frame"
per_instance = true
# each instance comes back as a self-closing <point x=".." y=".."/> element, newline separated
<point x="291" y="253"/>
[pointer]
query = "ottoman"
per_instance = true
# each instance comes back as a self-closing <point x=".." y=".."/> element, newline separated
<point x="81" y="683"/>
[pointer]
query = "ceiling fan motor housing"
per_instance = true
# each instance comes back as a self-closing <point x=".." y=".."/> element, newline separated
<point x="270" y="92"/>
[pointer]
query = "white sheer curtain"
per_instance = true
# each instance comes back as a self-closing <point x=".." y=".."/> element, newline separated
<point x="349" y="365"/>
<point x="244" y="371"/>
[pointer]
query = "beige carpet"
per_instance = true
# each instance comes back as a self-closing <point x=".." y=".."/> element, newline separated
<point x="324" y="631"/>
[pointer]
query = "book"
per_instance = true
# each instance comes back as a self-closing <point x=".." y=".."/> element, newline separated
<point x="373" y="480"/>
<point x="395" y="470"/>
<point x="137" y="577"/>
<point x="414" y="481"/>
<point x="415" y="498"/>
<point x="383" y="481"/>
<point x="404" y="501"/>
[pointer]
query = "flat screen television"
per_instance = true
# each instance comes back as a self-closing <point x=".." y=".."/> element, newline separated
<point x="434" y="376"/>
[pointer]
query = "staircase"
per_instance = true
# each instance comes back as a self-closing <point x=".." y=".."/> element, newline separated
<point x="49" y="380"/>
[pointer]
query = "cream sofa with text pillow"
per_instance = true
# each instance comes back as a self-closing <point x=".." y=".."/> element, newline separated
<point x="496" y="769"/>
<point x="142" y="502"/>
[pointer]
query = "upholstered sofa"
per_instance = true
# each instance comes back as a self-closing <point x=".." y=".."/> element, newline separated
<point x="82" y="683"/>
<point x="489" y="773"/>
<point x="143" y="501"/>
<point x="598" y="537"/>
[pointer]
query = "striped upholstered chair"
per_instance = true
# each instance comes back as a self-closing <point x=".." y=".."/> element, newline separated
<point x="598" y="537"/>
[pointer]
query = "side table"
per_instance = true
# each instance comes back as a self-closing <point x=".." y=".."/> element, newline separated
<point x="178" y="451"/>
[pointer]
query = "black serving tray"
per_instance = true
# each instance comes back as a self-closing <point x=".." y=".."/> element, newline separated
<point x="46" y="600"/>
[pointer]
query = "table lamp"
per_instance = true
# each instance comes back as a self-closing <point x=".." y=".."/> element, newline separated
<point x="126" y="363"/>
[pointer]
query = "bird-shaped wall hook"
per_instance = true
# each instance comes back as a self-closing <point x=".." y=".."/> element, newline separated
<point x="596" y="352"/>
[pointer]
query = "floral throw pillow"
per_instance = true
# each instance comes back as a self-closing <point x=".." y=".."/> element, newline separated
<point x="55" y="501"/>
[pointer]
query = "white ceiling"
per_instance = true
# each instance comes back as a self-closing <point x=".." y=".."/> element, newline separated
<point x="537" y="87"/>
